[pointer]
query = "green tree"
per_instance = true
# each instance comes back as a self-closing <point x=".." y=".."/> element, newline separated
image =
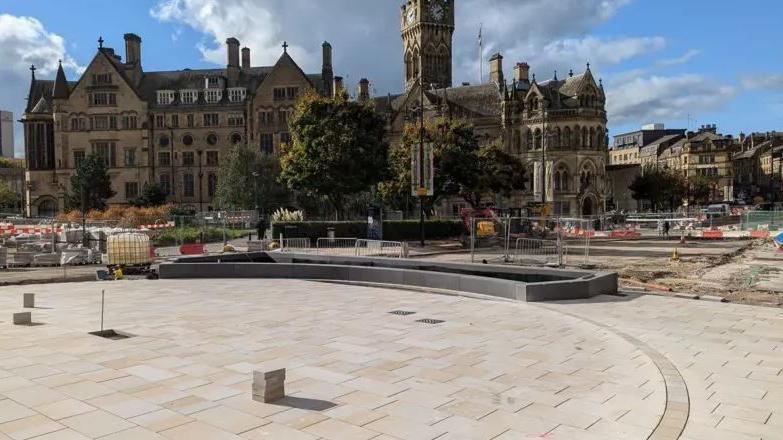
<point x="245" y="171"/>
<point x="337" y="149"/>
<point x="699" y="190"/>
<point x="90" y="185"/>
<point x="152" y="195"/>
<point x="8" y="198"/>
<point x="662" y="187"/>
<point x="463" y="166"/>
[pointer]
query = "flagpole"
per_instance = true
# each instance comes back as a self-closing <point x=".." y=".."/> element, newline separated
<point x="481" y="53"/>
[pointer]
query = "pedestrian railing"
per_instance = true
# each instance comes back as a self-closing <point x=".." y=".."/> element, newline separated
<point x="379" y="248"/>
<point x="547" y="252"/>
<point x="336" y="246"/>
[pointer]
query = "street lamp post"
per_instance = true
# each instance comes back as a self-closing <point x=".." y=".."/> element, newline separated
<point x="255" y="200"/>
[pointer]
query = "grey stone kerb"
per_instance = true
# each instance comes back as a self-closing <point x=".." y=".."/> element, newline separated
<point x="511" y="282"/>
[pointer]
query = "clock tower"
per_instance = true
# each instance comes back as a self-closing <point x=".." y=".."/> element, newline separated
<point x="427" y="30"/>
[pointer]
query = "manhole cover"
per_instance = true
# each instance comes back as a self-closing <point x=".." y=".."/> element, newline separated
<point x="430" y="321"/>
<point x="402" y="312"/>
<point x="112" y="334"/>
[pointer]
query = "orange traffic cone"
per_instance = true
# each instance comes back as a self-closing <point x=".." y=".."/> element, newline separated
<point x="682" y="239"/>
<point x="675" y="255"/>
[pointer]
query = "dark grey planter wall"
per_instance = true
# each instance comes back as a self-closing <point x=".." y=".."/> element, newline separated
<point x="480" y="279"/>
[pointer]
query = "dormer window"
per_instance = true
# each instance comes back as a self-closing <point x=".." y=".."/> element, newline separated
<point x="165" y="97"/>
<point x="212" y="82"/>
<point x="212" y="96"/>
<point x="188" y="96"/>
<point x="237" y="94"/>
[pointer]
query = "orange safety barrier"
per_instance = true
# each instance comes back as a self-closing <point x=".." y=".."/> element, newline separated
<point x="192" y="249"/>
<point x="759" y="234"/>
<point x="712" y="234"/>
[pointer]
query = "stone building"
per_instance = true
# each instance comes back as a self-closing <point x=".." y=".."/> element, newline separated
<point x="556" y="126"/>
<point x="752" y="164"/>
<point x="627" y="147"/>
<point x="6" y="134"/>
<point x="167" y="127"/>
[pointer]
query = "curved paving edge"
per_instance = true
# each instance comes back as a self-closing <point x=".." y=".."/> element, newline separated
<point x="675" y="414"/>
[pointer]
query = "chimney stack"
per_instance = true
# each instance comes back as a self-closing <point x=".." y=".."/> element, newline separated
<point x="364" y="90"/>
<point x="338" y="86"/>
<point x="327" y="72"/>
<point x="245" y="58"/>
<point x="233" y="52"/>
<point x="132" y="49"/>
<point x="232" y="69"/>
<point x="522" y="72"/>
<point x="496" y="69"/>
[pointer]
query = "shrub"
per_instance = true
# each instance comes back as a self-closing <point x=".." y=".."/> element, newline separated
<point x="173" y="236"/>
<point x="124" y="216"/>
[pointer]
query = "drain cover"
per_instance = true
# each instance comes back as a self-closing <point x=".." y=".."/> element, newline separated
<point x="430" y="321"/>
<point x="402" y="312"/>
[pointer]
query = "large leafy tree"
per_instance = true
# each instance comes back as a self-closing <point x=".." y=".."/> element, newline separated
<point x="463" y="166"/>
<point x="662" y="187"/>
<point x="337" y="149"/>
<point x="8" y="198"/>
<point x="90" y="185"/>
<point x="248" y="172"/>
<point x="152" y="195"/>
<point x="699" y="190"/>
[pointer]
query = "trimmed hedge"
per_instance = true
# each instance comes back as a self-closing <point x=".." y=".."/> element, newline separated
<point x="394" y="230"/>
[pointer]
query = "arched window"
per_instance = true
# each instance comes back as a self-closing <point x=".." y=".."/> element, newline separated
<point x="415" y="62"/>
<point x="566" y="141"/>
<point x="576" y="141"/>
<point x="409" y="66"/>
<point x="556" y="138"/>
<point x="599" y="138"/>
<point x="561" y="178"/>
<point x="584" y="137"/>
<point x="212" y="184"/>
<point x="591" y="138"/>
<point x="529" y="143"/>
<point x="537" y="139"/>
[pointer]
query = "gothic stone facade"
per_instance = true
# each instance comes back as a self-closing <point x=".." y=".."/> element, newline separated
<point x="557" y="126"/>
<point x="168" y="127"/>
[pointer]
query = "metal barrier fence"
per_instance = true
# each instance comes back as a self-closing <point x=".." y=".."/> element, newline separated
<point x="336" y="246"/>
<point x="497" y="240"/>
<point x="761" y="220"/>
<point x="379" y="248"/>
<point x="546" y="252"/>
<point x="293" y="245"/>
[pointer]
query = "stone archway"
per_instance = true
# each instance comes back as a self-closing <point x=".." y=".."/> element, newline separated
<point x="588" y="206"/>
<point x="47" y="207"/>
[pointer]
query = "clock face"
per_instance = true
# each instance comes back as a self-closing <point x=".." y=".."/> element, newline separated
<point x="437" y="10"/>
<point x="411" y="17"/>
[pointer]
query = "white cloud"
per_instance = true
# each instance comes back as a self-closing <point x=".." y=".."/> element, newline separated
<point x="772" y="81"/>
<point x="25" y="41"/>
<point x="682" y="59"/>
<point x="665" y="97"/>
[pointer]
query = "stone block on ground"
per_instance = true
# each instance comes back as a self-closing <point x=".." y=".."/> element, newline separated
<point x="23" y="318"/>
<point x="268" y="386"/>
<point x="29" y="300"/>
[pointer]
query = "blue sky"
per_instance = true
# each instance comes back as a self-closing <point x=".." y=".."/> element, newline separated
<point x="661" y="61"/>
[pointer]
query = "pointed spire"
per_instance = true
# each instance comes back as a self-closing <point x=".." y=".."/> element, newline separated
<point x="534" y="77"/>
<point x="570" y="73"/>
<point x="61" y="90"/>
<point x="588" y="65"/>
<point x="555" y="77"/>
<point x="32" y="71"/>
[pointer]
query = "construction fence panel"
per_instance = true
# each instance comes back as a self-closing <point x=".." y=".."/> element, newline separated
<point x="540" y="252"/>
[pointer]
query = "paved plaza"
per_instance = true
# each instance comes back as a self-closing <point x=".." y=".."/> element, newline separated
<point x="606" y="368"/>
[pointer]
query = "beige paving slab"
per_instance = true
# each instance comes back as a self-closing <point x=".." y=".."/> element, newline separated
<point x="96" y="423"/>
<point x="29" y="427"/>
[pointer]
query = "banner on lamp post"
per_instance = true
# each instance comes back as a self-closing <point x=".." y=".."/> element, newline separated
<point x="422" y="185"/>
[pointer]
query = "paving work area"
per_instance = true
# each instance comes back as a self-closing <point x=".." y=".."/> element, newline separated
<point x="606" y="368"/>
<point x="744" y="271"/>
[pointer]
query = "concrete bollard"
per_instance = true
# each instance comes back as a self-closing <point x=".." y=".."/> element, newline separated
<point x="23" y="318"/>
<point x="268" y="386"/>
<point x="28" y="300"/>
